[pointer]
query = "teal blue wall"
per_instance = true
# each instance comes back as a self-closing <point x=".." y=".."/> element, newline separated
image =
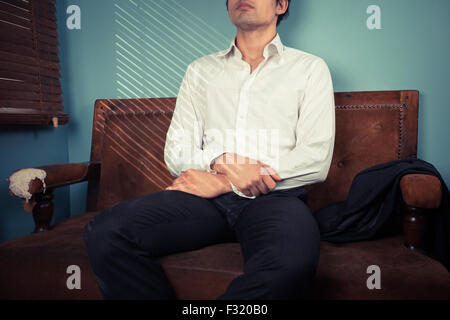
<point x="141" y="48"/>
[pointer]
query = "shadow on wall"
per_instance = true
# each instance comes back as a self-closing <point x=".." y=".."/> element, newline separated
<point x="153" y="43"/>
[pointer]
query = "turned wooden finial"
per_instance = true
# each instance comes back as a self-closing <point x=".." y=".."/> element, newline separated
<point x="414" y="227"/>
<point x="43" y="211"/>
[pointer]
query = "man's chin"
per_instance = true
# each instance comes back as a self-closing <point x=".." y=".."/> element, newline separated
<point x="247" y="26"/>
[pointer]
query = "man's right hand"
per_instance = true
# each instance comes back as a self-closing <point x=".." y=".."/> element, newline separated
<point x="251" y="177"/>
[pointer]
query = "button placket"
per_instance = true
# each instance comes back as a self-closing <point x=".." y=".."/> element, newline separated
<point x="244" y="98"/>
<point x="240" y="132"/>
<point x="241" y="118"/>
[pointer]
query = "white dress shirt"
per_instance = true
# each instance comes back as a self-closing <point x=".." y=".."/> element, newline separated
<point x="282" y="114"/>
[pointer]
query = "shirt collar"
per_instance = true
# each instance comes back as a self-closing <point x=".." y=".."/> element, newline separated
<point x="273" y="47"/>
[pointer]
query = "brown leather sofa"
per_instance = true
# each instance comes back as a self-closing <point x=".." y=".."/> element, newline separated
<point x="127" y="161"/>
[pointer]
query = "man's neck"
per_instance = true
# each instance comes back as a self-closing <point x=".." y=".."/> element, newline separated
<point x="252" y="43"/>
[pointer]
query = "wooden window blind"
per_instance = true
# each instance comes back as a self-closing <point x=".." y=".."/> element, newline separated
<point x="30" y="89"/>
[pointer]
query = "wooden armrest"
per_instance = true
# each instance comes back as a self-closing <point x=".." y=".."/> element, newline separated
<point x="421" y="190"/>
<point x="37" y="184"/>
<point x="59" y="175"/>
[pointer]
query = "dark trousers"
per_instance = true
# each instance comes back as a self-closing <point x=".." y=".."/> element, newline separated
<point x="278" y="235"/>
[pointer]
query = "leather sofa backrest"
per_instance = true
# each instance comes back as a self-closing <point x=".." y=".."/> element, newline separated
<point x="128" y="138"/>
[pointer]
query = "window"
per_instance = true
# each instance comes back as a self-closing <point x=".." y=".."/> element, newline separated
<point x="30" y="90"/>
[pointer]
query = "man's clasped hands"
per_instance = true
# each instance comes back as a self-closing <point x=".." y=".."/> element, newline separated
<point x="251" y="177"/>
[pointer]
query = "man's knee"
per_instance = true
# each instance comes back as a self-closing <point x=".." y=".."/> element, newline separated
<point x="114" y="222"/>
<point x="300" y="256"/>
<point x="303" y="256"/>
<point x="294" y="277"/>
<point x="100" y="233"/>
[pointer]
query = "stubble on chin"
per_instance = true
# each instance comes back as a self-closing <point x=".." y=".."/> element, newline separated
<point x="246" y="23"/>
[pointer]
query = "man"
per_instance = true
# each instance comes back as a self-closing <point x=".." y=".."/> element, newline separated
<point x="227" y="189"/>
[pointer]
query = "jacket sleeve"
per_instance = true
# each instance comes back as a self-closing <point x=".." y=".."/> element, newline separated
<point x="184" y="139"/>
<point x="309" y="161"/>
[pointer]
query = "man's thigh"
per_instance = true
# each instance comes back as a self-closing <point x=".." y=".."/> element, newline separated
<point x="164" y="222"/>
<point x="281" y="225"/>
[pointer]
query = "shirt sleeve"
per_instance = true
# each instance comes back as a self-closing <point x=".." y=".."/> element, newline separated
<point x="184" y="139"/>
<point x="310" y="160"/>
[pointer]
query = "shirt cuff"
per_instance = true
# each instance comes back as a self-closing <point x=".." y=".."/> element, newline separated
<point x="239" y="193"/>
